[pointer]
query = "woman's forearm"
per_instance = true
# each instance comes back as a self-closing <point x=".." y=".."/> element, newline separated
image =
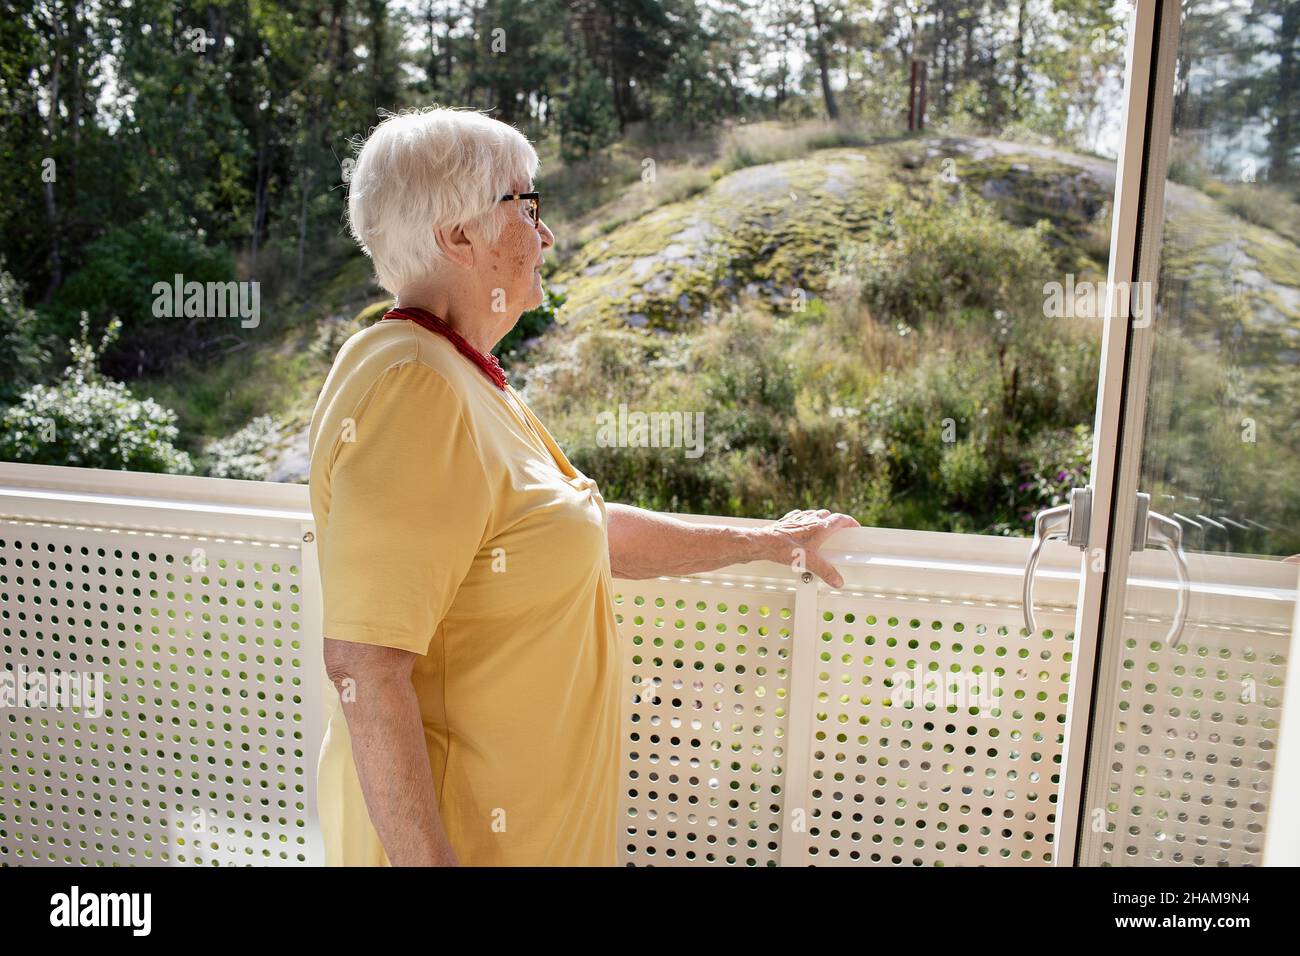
<point x="646" y="544"/>
<point x="388" y="746"/>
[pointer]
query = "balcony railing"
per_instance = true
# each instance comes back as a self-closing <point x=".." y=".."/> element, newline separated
<point x="767" y="719"/>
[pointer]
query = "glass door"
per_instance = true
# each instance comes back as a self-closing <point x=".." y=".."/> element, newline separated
<point x="1189" y="529"/>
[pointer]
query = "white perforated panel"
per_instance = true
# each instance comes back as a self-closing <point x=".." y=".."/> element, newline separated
<point x="202" y="748"/>
<point x="937" y="733"/>
<point x="1190" y="749"/>
<point x="706" y="683"/>
<point x="917" y="781"/>
<point x="766" y="721"/>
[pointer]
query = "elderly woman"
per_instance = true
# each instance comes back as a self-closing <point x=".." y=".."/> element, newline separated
<point x="466" y="564"/>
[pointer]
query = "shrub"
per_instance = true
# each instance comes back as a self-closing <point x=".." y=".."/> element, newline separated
<point x="24" y="345"/>
<point x="243" y="454"/>
<point x="90" y="421"/>
<point x="531" y="324"/>
<point x="118" y="278"/>
<point x="965" y="474"/>
<point x="1054" y="462"/>
<point x="907" y="416"/>
<point x="951" y="256"/>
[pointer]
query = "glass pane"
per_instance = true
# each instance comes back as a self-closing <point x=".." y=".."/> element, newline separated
<point x="860" y="314"/>
<point x="1186" y="733"/>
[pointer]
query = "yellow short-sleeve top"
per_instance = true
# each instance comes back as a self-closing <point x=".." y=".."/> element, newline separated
<point x="450" y="524"/>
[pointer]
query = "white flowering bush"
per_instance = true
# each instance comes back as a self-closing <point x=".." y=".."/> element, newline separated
<point x="88" y="420"/>
<point x="243" y="454"/>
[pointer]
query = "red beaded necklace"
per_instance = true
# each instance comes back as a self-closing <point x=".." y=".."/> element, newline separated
<point x="488" y="363"/>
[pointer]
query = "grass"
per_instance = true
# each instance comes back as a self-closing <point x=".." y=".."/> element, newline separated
<point x="755" y="144"/>
<point x="280" y="371"/>
<point x="1262" y="204"/>
<point x="652" y="168"/>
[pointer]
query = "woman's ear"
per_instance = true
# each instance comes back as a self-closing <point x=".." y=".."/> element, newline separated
<point x="455" y="244"/>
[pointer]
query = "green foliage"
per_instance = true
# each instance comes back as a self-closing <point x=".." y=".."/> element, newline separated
<point x="90" y="421"/>
<point x="587" y="120"/>
<point x="1054" y="461"/>
<point x="911" y="394"/>
<point x="25" y="346"/>
<point x="966" y="475"/>
<point x="531" y="323"/>
<point x="952" y="254"/>
<point x="243" y="454"/>
<point x="118" y="279"/>
<point x="913" y="410"/>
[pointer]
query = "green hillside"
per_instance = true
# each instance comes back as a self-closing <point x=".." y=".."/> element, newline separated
<point x="859" y="325"/>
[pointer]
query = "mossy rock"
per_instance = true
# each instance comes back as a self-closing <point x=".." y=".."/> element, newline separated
<point x="771" y="229"/>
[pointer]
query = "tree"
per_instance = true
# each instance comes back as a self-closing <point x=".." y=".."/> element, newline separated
<point x="587" y="120"/>
<point x="1277" y="94"/>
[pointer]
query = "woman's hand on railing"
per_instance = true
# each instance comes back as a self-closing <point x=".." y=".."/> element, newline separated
<point x="794" y="540"/>
<point x="648" y="544"/>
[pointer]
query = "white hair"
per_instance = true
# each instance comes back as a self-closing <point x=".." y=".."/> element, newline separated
<point x="429" y="168"/>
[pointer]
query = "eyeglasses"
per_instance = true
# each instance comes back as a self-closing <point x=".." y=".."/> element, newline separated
<point x="534" y="201"/>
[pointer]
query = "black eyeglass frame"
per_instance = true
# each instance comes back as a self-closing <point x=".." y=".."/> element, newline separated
<point x="535" y="209"/>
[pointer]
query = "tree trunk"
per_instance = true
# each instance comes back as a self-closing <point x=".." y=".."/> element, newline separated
<point x="52" y="129"/>
<point x="1018" y="70"/>
<point x="259" y="204"/>
<point x="431" y="70"/>
<point x="823" y="63"/>
<point x="304" y="189"/>
<point x="1282" y="140"/>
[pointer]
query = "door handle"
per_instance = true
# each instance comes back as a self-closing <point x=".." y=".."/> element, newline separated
<point x="1064" y="521"/>
<point x="1162" y="532"/>
<point x="1070" y="522"/>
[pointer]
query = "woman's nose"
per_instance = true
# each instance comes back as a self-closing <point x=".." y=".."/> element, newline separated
<point x="548" y="238"/>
